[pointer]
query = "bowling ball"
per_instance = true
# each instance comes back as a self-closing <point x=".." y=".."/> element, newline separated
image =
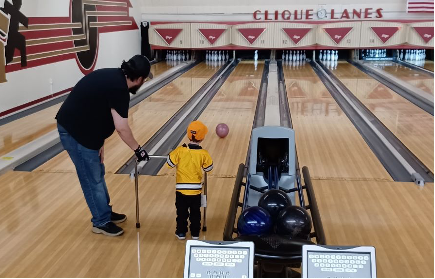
<point x="254" y="221"/>
<point x="274" y="201"/>
<point x="294" y="221"/>
<point x="222" y="130"/>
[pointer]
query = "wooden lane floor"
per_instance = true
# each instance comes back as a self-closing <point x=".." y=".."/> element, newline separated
<point x="420" y="80"/>
<point x="326" y="140"/>
<point x="396" y="218"/>
<point x="428" y="65"/>
<point x="234" y="104"/>
<point x="20" y="132"/>
<point x="145" y="119"/>
<point x="159" y="68"/>
<point x="410" y="124"/>
<point x="46" y="229"/>
<point x="24" y="130"/>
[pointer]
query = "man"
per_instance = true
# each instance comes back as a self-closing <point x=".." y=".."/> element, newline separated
<point x="97" y="106"/>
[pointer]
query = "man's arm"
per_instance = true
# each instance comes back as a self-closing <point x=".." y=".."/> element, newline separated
<point x="124" y="131"/>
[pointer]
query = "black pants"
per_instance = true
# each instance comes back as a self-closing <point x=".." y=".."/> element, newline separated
<point x="183" y="203"/>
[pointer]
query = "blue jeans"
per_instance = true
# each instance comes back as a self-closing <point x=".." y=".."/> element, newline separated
<point x="91" y="172"/>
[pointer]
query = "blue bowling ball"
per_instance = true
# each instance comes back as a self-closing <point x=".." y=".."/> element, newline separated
<point x="254" y="221"/>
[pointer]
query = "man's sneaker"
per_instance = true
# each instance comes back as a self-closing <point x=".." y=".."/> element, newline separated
<point x="118" y="218"/>
<point x="195" y="237"/>
<point x="109" y="229"/>
<point x="180" y="236"/>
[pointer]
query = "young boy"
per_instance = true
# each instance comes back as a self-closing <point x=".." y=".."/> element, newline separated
<point x="190" y="161"/>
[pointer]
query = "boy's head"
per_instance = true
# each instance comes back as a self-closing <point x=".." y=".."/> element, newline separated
<point x="196" y="131"/>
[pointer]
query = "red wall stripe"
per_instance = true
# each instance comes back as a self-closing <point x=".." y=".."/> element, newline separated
<point x="39" y="62"/>
<point x="112" y="9"/>
<point x="45" y="48"/>
<point x="109" y="29"/>
<point x="29" y="35"/>
<point x="48" y="20"/>
<point x="21" y="107"/>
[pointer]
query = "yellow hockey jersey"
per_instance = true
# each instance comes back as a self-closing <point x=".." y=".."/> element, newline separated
<point x="190" y="161"/>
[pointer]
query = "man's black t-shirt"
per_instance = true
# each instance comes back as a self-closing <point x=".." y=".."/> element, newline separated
<point x="86" y="113"/>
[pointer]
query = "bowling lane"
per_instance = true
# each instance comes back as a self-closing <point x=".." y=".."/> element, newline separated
<point x="326" y="140"/>
<point x="428" y="65"/>
<point x="159" y="68"/>
<point x="45" y="228"/>
<point x="24" y="130"/>
<point x="234" y="104"/>
<point x="395" y="217"/>
<point x="410" y="124"/>
<point x="145" y="119"/>
<point x="420" y="80"/>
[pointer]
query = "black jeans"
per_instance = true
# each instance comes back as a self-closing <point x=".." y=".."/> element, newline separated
<point x="183" y="203"/>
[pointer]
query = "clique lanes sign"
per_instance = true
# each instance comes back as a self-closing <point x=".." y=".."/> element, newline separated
<point x="321" y="14"/>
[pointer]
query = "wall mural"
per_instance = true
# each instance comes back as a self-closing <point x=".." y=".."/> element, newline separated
<point x="27" y="42"/>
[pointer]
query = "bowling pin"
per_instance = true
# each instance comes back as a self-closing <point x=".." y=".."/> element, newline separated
<point x="320" y="55"/>
<point x="256" y="55"/>
<point x="328" y="56"/>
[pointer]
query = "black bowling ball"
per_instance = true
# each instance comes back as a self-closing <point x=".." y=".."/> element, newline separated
<point x="274" y="201"/>
<point x="295" y="222"/>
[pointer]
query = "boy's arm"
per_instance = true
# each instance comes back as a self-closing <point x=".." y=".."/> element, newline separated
<point x="172" y="160"/>
<point x="208" y="163"/>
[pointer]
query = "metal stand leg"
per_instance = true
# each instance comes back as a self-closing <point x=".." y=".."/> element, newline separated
<point x="204" y="227"/>
<point x="136" y="186"/>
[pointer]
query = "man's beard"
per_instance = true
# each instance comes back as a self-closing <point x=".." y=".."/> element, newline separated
<point x="133" y="90"/>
